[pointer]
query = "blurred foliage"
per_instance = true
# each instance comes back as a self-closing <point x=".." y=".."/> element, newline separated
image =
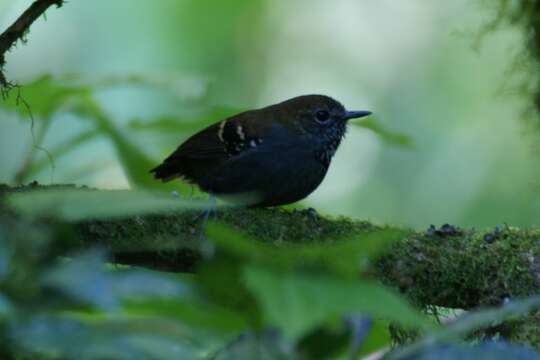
<point x="522" y="14"/>
<point x="469" y="322"/>
<point x="248" y="300"/>
<point x="65" y="204"/>
<point x="160" y="315"/>
<point x="484" y="351"/>
<point x="40" y="100"/>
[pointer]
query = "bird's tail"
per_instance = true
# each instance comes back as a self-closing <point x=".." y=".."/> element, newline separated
<point x="165" y="172"/>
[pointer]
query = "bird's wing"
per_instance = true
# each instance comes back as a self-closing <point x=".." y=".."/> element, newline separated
<point x="204" y="144"/>
<point x="213" y="146"/>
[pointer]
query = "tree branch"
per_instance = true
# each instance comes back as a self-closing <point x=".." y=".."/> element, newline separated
<point x="447" y="267"/>
<point x="19" y="28"/>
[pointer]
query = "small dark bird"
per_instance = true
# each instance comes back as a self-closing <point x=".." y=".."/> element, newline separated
<point x="271" y="156"/>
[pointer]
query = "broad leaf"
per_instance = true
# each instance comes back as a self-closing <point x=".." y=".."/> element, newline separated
<point x="85" y="279"/>
<point x="266" y="346"/>
<point x="72" y="204"/>
<point x="491" y="350"/>
<point x="135" y="163"/>
<point x="47" y="95"/>
<point x="42" y="97"/>
<point x="298" y="302"/>
<point x="62" y="337"/>
<point x="194" y="312"/>
<point x="344" y="256"/>
<point x="472" y="321"/>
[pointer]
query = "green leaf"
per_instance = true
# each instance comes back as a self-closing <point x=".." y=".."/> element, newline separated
<point x="63" y="337"/>
<point x="265" y="346"/>
<point x="378" y="338"/>
<point x="6" y="307"/>
<point x="390" y="137"/>
<point x="489" y="350"/>
<point x="344" y="256"/>
<point x="42" y="97"/>
<point x="85" y="279"/>
<point x="47" y="95"/>
<point x="180" y="86"/>
<point x="299" y="302"/>
<point x="135" y="163"/>
<point x="6" y="253"/>
<point x="194" y="312"/>
<point x="72" y="204"/>
<point x="472" y="321"/>
<point x="325" y="342"/>
<point x="357" y="336"/>
<point x="219" y="281"/>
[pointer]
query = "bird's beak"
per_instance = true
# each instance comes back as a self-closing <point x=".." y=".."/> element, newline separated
<point x="356" y="114"/>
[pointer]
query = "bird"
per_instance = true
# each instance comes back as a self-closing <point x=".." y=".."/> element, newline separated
<point x="272" y="156"/>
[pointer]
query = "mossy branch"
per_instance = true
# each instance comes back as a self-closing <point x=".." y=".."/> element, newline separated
<point x="446" y="267"/>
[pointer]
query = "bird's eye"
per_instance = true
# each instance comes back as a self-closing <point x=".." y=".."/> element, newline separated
<point x="322" y="116"/>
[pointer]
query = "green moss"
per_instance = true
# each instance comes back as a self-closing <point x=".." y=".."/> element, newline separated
<point x="465" y="271"/>
<point x="171" y="241"/>
<point x="526" y="330"/>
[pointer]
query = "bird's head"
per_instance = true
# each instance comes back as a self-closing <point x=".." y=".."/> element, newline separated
<point x="321" y="119"/>
<point x="318" y="114"/>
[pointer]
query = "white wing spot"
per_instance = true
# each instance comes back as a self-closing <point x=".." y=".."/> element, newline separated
<point x="240" y="132"/>
<point x="252" y="143"/>
<point x="221" y="128"/>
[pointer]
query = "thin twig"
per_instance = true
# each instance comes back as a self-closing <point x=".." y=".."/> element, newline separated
<point x="18" y="30"/>
<point x="36" y="143"/>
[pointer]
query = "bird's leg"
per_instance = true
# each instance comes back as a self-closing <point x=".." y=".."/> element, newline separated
<point x="207" y="249"/>
<point x="211" y="210"/>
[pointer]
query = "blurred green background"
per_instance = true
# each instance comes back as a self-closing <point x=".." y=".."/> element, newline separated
<point x="162" y="69"/>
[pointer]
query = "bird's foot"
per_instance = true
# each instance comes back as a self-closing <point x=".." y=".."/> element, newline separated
<point x="311" y="213"/>
<point x="207" y="248"/>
